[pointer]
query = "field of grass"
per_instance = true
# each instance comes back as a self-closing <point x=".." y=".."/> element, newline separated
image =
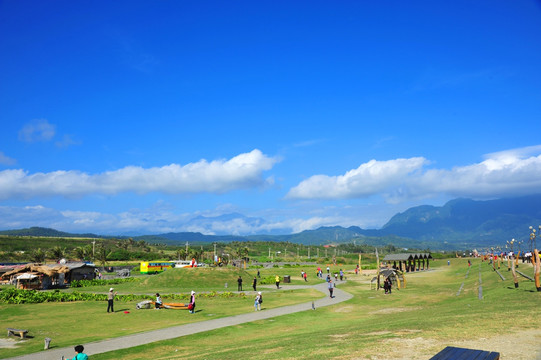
<point x="412" y="323"/>
<point x="80" y="322"/>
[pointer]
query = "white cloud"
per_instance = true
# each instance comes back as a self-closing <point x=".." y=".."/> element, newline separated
<point x="218" y="176"/>
<point x="67" y="140"/>
<point x="37" y="130"/>
<point x="507" y="173"/>
<point x="6" y="160"/>
<point x="160" y="218"/>
<point x="368" y="179"/>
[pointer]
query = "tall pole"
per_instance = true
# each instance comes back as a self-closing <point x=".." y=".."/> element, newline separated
<point x="186" y="250"/>
<point x="377" y="264"/>
<point x="214" y="259"/>
<point x="93" y="249"/>
<point x="536" y="262"/>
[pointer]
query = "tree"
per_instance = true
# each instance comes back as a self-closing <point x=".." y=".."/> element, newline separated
<point x="37" y="256"/>
<point x="180" y="253"/>
<point x="57" y="253"/>
<point x="80" y="253"/>
<point x="122" y="244"/>
<point x="102" y="254"/>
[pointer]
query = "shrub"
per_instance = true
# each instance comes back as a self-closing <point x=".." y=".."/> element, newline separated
<point x="98" y="282"/>
<point x="269" y="280"/>
<point x="15" y="296"/>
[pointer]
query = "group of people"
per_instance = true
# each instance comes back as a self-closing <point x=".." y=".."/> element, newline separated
<point x="387" y="285"/>
<point x="158" y="304"/>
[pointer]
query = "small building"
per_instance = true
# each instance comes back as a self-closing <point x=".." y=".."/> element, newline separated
<point x="79" y="271"/>
<point x="397" y="277"/>
<point x="409" y="262"/>
<point x="38" y="276"/>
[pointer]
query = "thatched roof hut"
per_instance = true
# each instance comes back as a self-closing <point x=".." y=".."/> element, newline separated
<point x="39" y="269"/>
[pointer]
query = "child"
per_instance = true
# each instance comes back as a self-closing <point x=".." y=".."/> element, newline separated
<point x="158" y="301"/>
<point x="258" y="301"/>
<point x="79" y="355"/>
<point x="192" y="302"/>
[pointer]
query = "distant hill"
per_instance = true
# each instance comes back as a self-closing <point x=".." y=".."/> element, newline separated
<point x="46" y="232"/>
<point x="465" y="221"/>
<point x="459" y="224"/>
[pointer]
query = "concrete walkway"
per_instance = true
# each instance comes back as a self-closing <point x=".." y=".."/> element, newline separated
<point x="193" y="328"/>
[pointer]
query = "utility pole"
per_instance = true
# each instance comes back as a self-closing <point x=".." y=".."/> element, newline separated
<point x="214" y="252"/>
<point x="186" y="250"/>
<point x="93" y="249"/>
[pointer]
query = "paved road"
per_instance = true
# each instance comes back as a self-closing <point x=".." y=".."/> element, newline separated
<point x="188" y="329"/>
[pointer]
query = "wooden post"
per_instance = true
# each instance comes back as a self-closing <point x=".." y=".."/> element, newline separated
<point x="377" y="262"/>
<point x="515" y="278"/>
<point x="516" y="259"/>
<point x="537" y="269"/>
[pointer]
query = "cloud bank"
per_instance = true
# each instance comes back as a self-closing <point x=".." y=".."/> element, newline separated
<point x="218" y="176"/>
<point x="507" y="173"/>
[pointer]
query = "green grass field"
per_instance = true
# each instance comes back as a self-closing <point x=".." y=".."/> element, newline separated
<point x="412" y="323"/>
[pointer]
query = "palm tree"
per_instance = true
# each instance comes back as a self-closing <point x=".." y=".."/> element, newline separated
<point x="102" y="254"/>
<point x="37" y="256"/>
<point x="57" y="253"/>
<point x="180" y="253"/>
<point x="80" y="253"/>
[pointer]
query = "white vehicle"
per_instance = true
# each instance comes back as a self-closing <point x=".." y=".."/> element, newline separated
<point x="187" y="264"/>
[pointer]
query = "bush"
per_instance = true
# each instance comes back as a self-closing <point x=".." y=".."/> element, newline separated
<point x="15" y="296"/>
<point x="269" y="280"/>
<point x="98" y="282"/>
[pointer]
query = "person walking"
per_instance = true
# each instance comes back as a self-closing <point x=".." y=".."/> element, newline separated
<point x="330" y="285"/>
<point x="158" y="303"/>
<point x="306" y="277"/>
<point x="277" y="279"/>
<point x="239" y="282"/>
<point x="258" y="274"/>
<point x="328" y="270"/>
<point x="341" y="275"/>
<point x="110" y="300"/>
<point x="254" y="284"/>
<point x="258" y="301"/>
<point x="192" y="303"/>
<point x="79" y="355"/>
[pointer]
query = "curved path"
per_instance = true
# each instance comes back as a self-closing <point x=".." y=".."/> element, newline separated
<point x="128" y="341"/>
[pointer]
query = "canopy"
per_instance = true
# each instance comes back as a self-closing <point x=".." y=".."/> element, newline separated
<point x="38" y="268"/>
<point x="26" y="276"/>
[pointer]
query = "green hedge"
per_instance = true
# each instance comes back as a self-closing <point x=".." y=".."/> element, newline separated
<point x="95" y="282"/>
<point x="15" y="296"/>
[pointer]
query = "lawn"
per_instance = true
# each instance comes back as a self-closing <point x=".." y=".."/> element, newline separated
<point x="79" y="322"/>
<point x="412" y="323"/>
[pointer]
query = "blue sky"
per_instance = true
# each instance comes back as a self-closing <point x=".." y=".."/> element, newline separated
<point x="139" y="117"/>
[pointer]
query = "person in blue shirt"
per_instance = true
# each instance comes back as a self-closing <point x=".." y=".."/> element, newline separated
<point x="79" y="355"/>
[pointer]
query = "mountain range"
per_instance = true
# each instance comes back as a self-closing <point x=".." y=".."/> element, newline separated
<point x="459" y="224"/>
